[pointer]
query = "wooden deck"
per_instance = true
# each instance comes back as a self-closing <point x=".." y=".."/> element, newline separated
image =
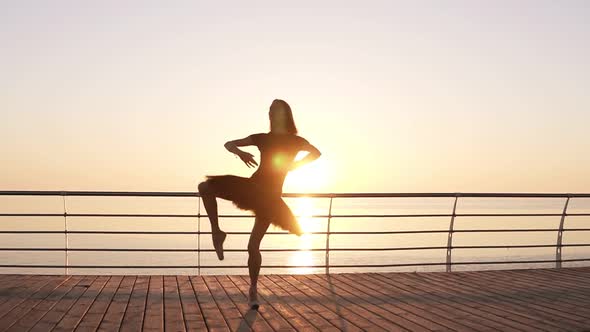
<point x="509" y="300"/>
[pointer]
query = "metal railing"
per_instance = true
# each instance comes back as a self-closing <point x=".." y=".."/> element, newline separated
<point x="558" y="245"/>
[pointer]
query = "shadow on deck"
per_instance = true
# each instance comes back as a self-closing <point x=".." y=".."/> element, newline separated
<point x="506" y="300"/>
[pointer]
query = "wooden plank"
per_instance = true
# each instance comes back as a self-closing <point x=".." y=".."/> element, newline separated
<point x="373" y="312"/>
<point x="312" y="317"/>
<point x="417" y="315"/>
<point x="488" y="315"/>
<point x="72" y="318"/>
<point x="97" y="310"/>
<point x="154" y="310"/>
<point x="284" y="309"/>
<point x="530" y="295"/>
<point x="578" y="275"/>
<point x="548" y="291"/>
<point x="24" y="307"/>
<point x="193" y="316"/>
<point x="133" y="318"/>
<point x="38" y="311"/>
<point x="336" y="321"/>
<point x="578" y="291"/>
<point x="548" y="296"/>
<point x="578" y="278"/>
<point x="386" y="309"/>
<point x="435" y="301"/>
<point x="266" y="311"/>
<point x="495" y="314"/>
<point x="173" y="316"/>
<point x="333" y="303"/>
<point x="250" y="318"/>
<point x="574" y="290"/>
<point x="350" y="303"/>
<point x="230" y="313"/>
<point x="10" y="284"/>
<point x="505" y="299"/>
<point x="17" y="290"/>
<point x="114" y="315"/>
<point x="213" y="317"/>
<point x="504" y="314"/>
<point x="374" y="304"/>
<point x="20" y="290"/>
<point x="54" y="315"/>
<point x="417" y="305"/>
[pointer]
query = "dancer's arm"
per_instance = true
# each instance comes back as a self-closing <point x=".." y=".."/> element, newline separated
<point x="247" y="158"/>
<point x="313" y="154"/>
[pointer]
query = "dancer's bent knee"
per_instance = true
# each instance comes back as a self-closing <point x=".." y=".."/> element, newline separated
<point x="204" y="188"/>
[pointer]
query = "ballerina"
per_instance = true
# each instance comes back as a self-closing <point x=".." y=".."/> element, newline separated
<point x="260" y="193"/>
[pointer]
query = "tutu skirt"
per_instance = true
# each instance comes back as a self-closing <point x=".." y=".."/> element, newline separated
<point x="247" y="194"/>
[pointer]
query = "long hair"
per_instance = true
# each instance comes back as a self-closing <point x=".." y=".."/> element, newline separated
<point x="289" y="123"/>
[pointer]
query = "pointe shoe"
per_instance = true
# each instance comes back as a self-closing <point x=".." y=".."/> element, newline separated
<point x="253" y="299"/>
<point x="218" y="239"/>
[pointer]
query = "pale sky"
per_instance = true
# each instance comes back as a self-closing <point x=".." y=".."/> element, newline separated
<point x="413" y="96"/>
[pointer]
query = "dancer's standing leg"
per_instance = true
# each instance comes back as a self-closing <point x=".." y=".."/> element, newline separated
<point x="255" y="258"/>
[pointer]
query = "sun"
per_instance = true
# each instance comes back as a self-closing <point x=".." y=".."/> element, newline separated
<point x="313" y="177"/>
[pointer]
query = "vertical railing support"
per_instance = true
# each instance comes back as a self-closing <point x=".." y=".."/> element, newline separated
<point x="327" y="260"/>
<point x="560" y="235"/>
<point x="450" y="236"/>
<point x="199" y="237"/>
<point x="66" y="260"/>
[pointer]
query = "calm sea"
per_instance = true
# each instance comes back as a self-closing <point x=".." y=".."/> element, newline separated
<point x="306" y="208"/>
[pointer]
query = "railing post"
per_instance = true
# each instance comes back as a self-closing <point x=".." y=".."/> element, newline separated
<point x="560" y="235"/>
<point x="199" y="237"/>
<point x="327" y="260"/>
<point x="450" y="236"/>
<point x="66" y="261"/>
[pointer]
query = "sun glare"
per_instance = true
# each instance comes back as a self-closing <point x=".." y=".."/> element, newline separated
<point x="313" y="177"/>
<point x="304" y="210"/>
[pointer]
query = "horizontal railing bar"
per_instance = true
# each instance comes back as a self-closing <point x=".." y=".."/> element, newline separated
<point x="523" y="246"/>
<point x="297" y="250"/>
<point x="129" y="215"/>
<point x="521" y="214"/>
<point x="153" y="249"/>
<point x="285" y="266"/>
<point x="211" y="250"/>
<point x="308" y="233"/>
<point x="145" y="232"/>
<point x="457" y="231"/>
<point x="462" y="263"/>
<point x="456" y="215"/>
<point x="117" y="232"/>
<point x="517" y="230"/>
<point x="318" y="195"/>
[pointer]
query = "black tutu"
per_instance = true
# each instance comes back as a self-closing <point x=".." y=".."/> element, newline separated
<point x="247" y="194"/>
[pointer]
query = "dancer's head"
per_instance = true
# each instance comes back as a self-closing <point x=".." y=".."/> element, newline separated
<point x="281" y="117"/>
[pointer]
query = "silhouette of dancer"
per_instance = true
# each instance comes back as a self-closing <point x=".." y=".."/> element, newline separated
<point x="260" y="193"/>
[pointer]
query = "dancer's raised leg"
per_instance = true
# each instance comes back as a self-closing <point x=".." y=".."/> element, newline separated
<point x="210" y="203"/>
<point x="255" y="258"/>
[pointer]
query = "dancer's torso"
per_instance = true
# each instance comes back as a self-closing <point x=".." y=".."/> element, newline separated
<point x="277" y="152"/>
